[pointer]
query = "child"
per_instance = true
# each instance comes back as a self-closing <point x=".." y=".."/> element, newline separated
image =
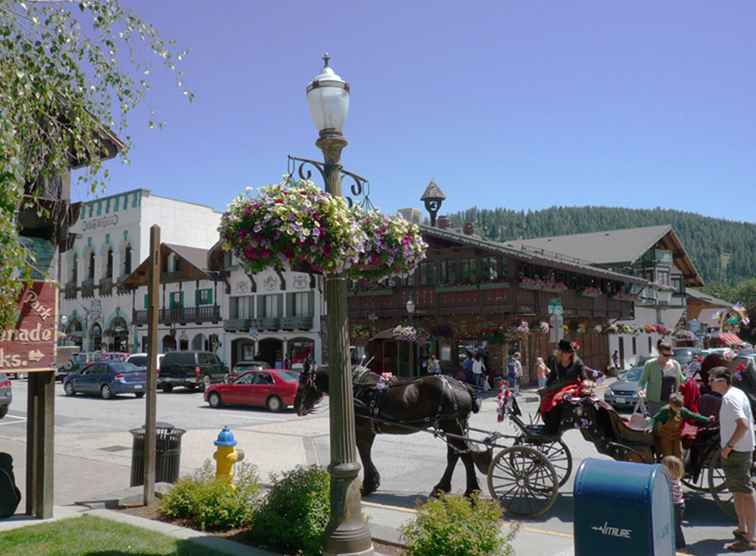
<point x="668" y="424"/>
<point x="542" y="372"/>
<point x="675" y="470"/>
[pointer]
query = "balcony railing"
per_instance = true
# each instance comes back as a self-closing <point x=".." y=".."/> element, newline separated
<point x="106" y="286"/>
<point x="70" y="291"/>
<point x="182" y="315"/>
<point x="87" y="288"/>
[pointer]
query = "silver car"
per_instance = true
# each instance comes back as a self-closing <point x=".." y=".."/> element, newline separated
<point x="6" y="394"/>
<point x="623" y="394"/>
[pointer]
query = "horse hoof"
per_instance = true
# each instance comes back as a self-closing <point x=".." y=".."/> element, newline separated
<point x="470" y="493"/>
<point x="439" y="491"/>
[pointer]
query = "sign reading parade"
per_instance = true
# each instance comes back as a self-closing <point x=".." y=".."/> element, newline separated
<point x="30" y="345"/>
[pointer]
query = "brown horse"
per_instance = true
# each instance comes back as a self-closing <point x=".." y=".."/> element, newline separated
<point x="404" y="407"/>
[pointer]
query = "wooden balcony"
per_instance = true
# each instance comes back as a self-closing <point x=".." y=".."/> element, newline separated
<point x="87" y="288"/>
<point x="106" y="286"/>
<point x="182" y="315"/>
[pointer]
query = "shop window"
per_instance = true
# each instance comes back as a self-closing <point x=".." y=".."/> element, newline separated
<point x="91" y="273"/>
<point x="109" y="264"/>
<point x="127" y="261"/>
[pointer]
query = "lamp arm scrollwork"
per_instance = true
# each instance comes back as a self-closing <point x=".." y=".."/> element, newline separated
<point x="359" y="186"/>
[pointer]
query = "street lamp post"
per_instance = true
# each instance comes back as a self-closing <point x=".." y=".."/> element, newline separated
<point x="347" y="533"/>
<point x="410" y="306"/>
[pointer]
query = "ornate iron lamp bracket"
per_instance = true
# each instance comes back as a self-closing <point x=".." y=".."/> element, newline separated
<point x="358" y="186"/>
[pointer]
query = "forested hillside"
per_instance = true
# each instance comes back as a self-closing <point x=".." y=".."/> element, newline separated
<point x="709" y="241"/>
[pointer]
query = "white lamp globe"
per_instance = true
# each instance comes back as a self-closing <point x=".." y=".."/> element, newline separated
<point x="328" y="99"/>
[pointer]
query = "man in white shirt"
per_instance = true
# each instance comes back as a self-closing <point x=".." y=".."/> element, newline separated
<point x="737" y="440"/>
<point x="478" y="369"/>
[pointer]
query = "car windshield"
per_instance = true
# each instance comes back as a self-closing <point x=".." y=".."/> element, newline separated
<point x="289" y="376"/>
<point x="125" y="368"/>
<point x="633" y="375"/>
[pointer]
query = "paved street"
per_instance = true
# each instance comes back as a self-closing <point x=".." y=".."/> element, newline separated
<point x="93" y="455"/>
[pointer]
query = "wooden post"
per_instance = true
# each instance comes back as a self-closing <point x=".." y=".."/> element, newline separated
<point x="153" y="289"/>
<point x="40" y="446"/>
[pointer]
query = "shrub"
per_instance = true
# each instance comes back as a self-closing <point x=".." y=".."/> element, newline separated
<point x="456" y="526"/>
<point x="209" y="504"/>
<point x="295" y="513"/>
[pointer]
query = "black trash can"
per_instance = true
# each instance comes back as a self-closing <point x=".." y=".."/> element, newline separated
<point x="167" y="458"/>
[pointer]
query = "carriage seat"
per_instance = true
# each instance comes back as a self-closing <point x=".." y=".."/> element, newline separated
<point x="623" y="432"/>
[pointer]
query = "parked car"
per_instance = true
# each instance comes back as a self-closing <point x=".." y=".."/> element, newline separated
<point x="6" y="394"/>
<point x="241" y="368"/>
<point x="191" y="369"/>
<point x="623" y="393"/>
<point x="106" y="378"/>
<point x="75" y="364"/>
<point x="271" y="388"/>
<point x="140" y="360"/>
<point x="685" y="355"/>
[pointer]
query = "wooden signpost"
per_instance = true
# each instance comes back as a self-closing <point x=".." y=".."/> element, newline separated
<point x="153" y="294"/>
<point x="30" y="347"/>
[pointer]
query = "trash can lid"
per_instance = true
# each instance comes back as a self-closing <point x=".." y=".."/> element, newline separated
<point x="225" y="438"/>
<point x="160" y="425"/>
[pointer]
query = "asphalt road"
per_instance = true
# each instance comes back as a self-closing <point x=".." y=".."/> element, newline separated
<point x="93" y="451"/>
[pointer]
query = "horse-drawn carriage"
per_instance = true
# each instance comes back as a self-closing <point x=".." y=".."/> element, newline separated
<point x="525" y="470"/>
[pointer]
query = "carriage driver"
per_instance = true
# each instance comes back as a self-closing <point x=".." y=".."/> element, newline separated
<point x="566" y="372"/>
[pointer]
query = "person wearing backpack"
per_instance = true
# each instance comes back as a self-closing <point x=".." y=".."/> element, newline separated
<point x="10" y="495"/>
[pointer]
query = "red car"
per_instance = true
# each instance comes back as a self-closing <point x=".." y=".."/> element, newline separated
<point x="271" y="388"/>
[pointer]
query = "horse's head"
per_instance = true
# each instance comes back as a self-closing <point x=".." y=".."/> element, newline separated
<point x="310" y="391"/>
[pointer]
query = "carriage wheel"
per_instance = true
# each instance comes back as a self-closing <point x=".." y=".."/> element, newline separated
<point x="722" y="496"/>
<point x="523" y="481"/>
<point x="558" y="455"/>
<point x="701" y="485"/>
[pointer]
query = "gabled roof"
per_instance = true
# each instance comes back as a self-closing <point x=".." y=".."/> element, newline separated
<point x="706" y="298"/>
<point x="194" y="269"/>
<point x="193" y="255"/>
<point x="538" y="256"/>
<point x="617" y="247"/>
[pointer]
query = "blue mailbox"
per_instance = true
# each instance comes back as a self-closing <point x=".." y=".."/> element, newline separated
<point x="623" y="509"/>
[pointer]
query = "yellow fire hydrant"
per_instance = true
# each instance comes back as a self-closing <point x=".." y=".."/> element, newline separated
<point x="226" y="455"/>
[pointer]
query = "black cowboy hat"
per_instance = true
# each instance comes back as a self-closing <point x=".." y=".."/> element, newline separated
<point x="565" y="346"/>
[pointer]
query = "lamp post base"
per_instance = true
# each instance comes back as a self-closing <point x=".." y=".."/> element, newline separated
<point x="347" y="534"/>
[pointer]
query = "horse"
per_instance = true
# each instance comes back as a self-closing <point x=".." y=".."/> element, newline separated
<point x="405" y="407"/>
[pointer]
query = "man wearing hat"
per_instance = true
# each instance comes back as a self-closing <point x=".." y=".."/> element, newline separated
<point x="566" y="372"/>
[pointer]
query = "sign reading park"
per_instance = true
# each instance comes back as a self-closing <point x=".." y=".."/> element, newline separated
<point x="30" y="345"/>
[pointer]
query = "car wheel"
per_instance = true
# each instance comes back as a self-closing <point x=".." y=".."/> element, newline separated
<point x="205" y="383"/>
<point x="274" y="404"/>
<point x="167" y="388"/>
<point x="214" y="400"/>
<point x="3" y="411"/>
<point x="69" y="389"/>
<point x="106" y="392"/>
<point x="139" y="394"/>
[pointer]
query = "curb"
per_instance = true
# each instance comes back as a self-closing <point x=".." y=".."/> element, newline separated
<point x="206" y="540"/>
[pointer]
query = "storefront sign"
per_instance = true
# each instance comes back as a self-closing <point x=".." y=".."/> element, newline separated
<point x="98" y="223"/>
<point x="30" y="345"/>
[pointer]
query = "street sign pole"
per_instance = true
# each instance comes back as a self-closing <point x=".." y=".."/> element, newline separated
<point x="153" y="291"/>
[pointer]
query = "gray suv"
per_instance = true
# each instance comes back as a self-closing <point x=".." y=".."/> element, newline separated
<point x="190" y="369"/>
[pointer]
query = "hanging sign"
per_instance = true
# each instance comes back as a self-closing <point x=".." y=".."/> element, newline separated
<point x="31" y="344"/>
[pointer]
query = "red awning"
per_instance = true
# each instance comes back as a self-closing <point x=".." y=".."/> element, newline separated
<point x="730" y="339"/>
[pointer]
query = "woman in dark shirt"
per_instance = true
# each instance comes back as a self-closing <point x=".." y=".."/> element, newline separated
<point x="566" y="370"/>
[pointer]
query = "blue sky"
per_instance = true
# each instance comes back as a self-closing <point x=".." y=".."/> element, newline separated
<point x="505" y="104"/>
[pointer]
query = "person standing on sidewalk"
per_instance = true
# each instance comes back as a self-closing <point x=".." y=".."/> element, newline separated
<point x="479" y="370"/>
<point x="661" y="377"/>
<point x="737" y="441"/>
<point x="542" y="372"/>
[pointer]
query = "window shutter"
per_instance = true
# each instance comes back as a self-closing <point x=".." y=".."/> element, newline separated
<point x="291" y="309"/>
<point x="209" y="296"/>
<point x="311" y="304"/>
<point x="146" y="301"/>
<point x="197" y="297"/>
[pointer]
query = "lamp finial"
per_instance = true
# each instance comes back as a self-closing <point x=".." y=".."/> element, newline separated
<point x="326" y="59"/>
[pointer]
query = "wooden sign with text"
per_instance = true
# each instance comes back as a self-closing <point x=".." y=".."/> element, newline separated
<point x="30" y="345"/>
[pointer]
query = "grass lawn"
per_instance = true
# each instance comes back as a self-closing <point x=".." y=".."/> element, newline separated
<point x="92" y="536"/>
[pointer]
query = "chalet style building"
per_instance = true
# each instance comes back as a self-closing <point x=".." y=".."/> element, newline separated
<point x="654" y="253"/>
<point x="471" y="294"/>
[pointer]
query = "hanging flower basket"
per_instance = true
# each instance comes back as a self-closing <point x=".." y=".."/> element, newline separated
<point x="295" y="224"/>
<point x="360" y="332"/>
<point x="521" y="329"/>
<point x="663" y="330"/>
<point x="611" y="329"/>
<point x="685" y="335"/>
<point x="531" y="283"/>
<point x="649" y="328"/>
<point x="394" y="247"/>
<point x="544" y="327"/>
<point x="582" y="329"/>
<point x="598" y="329"/>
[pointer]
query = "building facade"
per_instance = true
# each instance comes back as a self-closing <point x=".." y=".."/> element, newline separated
<point x="272" y="316"/>
<point x="654" y="253"/>
<point x="111" y="238"/>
